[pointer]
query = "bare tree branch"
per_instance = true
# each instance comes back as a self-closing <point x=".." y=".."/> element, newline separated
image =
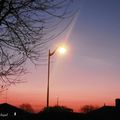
<point x="25" y="30"/>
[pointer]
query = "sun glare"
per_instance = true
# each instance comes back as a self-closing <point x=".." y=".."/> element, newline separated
<point x="62" y="50"/>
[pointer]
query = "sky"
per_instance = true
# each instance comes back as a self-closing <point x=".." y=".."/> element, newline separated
<point x="89" y="73"/>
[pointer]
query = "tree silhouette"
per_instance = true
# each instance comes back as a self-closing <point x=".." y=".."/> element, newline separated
<point x="88" y="108"/>
<point x="27" y="107"/>
<point x="25" y="29"/>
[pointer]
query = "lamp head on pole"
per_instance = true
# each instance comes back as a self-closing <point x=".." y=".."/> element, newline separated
<point x="61" y="50"/>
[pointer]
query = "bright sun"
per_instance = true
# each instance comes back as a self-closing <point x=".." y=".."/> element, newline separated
<point x="62" y="50"/>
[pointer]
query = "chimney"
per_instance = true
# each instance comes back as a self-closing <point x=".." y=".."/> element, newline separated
<point x="117" y="103"/>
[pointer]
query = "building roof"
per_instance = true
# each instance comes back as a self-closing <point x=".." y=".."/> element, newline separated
<point x="105" y="112"/>
<point x="10" y="110"/>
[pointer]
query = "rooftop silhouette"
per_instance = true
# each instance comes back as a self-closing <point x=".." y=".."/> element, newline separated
<point x="8" y="111"/>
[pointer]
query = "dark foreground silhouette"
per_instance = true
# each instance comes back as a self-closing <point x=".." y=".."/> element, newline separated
<point x="9" y="112"/>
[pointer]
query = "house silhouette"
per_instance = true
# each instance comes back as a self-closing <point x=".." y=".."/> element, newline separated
<point x="10" y="111"/>
<point x="106" y="112"/>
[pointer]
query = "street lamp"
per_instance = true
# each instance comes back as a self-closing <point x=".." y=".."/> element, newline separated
<point x="61" y="50"/>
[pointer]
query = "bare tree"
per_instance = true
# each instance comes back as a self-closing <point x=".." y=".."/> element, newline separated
<point x="25" y="30"/>
<point x="88" y="108"/>
<point x="27" y="107"/>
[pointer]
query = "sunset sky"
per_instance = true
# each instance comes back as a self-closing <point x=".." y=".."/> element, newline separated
<point x="89" y="73"/>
